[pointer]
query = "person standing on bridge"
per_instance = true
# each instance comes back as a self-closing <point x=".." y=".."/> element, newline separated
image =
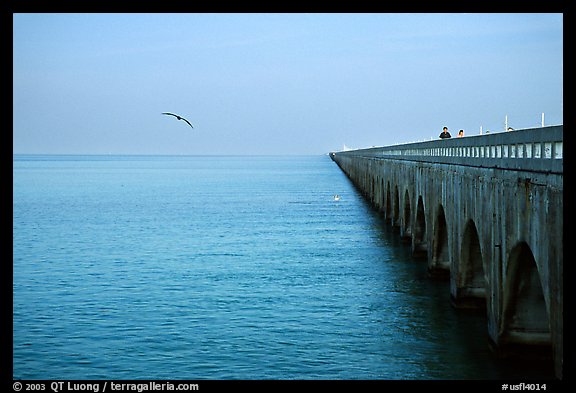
<point x="445" y="134"/>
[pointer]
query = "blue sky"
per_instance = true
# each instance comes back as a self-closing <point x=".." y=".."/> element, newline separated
<point x="277" y="83"/>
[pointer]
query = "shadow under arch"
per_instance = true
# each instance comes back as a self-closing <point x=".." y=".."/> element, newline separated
<point x="406" y="233"/>
<point x="440" y="262"/>
<point x="382" y="204"/>
<point x="372" y="193"/>
<point x="525" y="328"/>
<point x="388" y="204"/>
<point x="396" y="208"/>
<point x="470" y="280"/>
<point x="419" y="245"/>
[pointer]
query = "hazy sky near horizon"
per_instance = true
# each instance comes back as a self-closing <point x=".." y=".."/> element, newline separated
<point x="277" y="83"/>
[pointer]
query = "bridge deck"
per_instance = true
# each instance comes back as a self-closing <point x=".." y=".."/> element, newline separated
<point x="533" y="150"/>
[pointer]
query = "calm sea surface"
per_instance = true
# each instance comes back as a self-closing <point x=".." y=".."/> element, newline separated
<point x="129" y="267"/>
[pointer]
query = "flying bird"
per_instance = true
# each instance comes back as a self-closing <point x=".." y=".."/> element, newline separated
<point x="178" y="117"/>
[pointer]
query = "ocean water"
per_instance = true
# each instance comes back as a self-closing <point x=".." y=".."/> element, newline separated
<point x="205" y="267"/>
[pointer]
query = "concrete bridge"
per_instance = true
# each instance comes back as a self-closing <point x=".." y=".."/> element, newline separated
<point x="486" y="212"/>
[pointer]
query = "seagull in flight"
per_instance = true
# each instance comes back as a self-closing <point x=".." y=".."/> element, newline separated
<point x="178" y="117"/>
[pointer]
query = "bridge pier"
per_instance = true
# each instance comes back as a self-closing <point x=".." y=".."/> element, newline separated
<point x="487" y="213"/>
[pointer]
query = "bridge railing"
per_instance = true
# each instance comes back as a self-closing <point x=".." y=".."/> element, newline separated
<point x="534" y="149"/>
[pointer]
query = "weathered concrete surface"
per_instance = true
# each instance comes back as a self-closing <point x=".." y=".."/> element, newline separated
<point x="493" y="227"/>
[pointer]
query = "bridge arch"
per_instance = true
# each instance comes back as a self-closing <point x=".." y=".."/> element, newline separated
<point x="396" y="207"/>
<point x="406" y="232"/>
<point x="471" y="281"/>
<point x="388" y="204"/>
<point x="382" y="204"/>
<point x="525" y="322"/>
<point x="440" y="259"/>
<point x="374" y="194"/>
<point x="419" y="245"/>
